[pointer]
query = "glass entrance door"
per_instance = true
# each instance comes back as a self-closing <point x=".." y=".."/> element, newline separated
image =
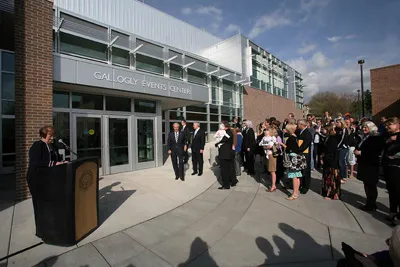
<point x="145" y="135"/>
<point x="87" y="141"/>
<point x="119" y="144"/>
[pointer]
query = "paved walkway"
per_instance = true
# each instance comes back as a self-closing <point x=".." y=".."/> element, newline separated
<point x="198" y="225"/>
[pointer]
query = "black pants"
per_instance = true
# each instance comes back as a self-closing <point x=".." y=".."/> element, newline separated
<point x="305" y="181"/>
<point x="392" y="177"/>
<point x="371" y="191"/>
<point x="249" y="155"/>
<point x="177" y="162"/>
<point x="315" y="157"/>
<point x="185" y="157"/>
<point x="197" y="160"/>
<point x="227" y="172"/>
<point x="280" y="170"/>
<point x="243" y="157"/>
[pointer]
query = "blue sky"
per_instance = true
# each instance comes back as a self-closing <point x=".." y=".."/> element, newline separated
<point x="323" y="39"/>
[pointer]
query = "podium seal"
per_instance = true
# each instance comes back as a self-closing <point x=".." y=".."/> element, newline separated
<point x="86" y="180"/>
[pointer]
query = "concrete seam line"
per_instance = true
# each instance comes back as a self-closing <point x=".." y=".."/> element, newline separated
<point x="354" y="217"/>
<point x="100" y="254"/>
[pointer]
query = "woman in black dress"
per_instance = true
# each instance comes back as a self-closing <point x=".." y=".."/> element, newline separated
<point x="367" y="153"/>
<point x="391" y="166"/>
<point x="42" y="155"/>
<point x="331" y="179"/>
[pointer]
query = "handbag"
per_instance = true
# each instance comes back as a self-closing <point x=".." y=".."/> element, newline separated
<point x="275" y="151"/>
<point x="294" y="161"/>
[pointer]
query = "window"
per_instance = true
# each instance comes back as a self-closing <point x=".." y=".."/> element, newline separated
<point x="85" y="101"/>
<point x="7" y="24"/>
<point x="149" y="64"/>
<point x="120" y="56"/>
<point x="195" y="76"/>
<point x="8" y="93"/>
<point x="214" y="127"/>
<point x="197" y="108"/>
<point x="118" y="104"/>
<point x="227" y="97"/>
<point x="8" y="136"/>
<point x="7" y="62"/>
<point x="60" y="99"/>
<point x="144" y="106"/>
<point x="175" y="71"/>
<point x="61" y="126"/>
<point x="175" y="115"/>
<point x="214" y="109"/>
<point x="214" y="118"/>
<point x="196" y="116"/>
<point x="84" y="47"/>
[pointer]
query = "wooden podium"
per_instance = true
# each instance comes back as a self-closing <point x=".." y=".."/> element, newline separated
<point x="66" y="203"/>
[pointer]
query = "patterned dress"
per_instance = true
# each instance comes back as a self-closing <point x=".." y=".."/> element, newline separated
<point x="331" y="180"/>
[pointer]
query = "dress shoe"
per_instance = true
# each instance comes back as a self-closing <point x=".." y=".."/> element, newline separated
<point x="194" y="173"/>
<point x="223" y="188"/>
<point x="303" y="191"/>
<point x="234" y="184"/>
<point x="176" y="178"/>
<point x="200" y="174"/>
<point x="368" y="208"/>
<point x="183" y="179"/>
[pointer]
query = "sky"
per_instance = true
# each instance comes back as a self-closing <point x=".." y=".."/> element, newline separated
<point x="322" y="39"/>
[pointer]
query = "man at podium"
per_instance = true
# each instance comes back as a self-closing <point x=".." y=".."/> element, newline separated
<point x="42" y="155"/>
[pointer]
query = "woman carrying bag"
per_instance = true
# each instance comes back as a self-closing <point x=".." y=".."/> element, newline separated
<point x="293" y="161"/>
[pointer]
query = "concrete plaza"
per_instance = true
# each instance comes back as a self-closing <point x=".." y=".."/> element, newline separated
<point x="149" y="219"/>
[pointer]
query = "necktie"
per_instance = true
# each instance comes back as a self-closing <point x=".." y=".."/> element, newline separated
<point x="176" y="136"/>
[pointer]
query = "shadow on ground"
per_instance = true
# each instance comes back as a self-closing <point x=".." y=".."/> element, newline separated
<point x="110" y="201"/>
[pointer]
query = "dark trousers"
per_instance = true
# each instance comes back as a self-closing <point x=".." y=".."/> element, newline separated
<point x="243" y="158"/>
<point x="238" y="160"/>
<point x="177" y="162"/>
<point x="305" y="181"/>
<point x="197" y="160"/>
<point x="392" y="177"/>
<point x="280" y="170"/>
<point x="371" y="191"/>
<point x="249" y="157"/>
<point x="227" y="173"/>
<point x="185" y="157"/>
<point x="342" y="162"/>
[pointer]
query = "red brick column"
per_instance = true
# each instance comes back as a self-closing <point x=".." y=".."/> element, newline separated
<point x="33" y="80"/>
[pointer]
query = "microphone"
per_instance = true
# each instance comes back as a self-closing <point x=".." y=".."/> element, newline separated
<point x="67" y="147"/>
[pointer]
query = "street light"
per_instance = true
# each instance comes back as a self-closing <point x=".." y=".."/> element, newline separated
<point x="361" y="62"/>
<point x="358" y="101"/>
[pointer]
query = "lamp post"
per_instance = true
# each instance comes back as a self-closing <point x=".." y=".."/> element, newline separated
<point x="358" y="101"/>
<point x="361" y="62"/>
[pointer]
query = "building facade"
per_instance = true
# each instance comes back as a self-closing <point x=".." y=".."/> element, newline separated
<point x="114" y="76"/>
<point x="385" y="89"/>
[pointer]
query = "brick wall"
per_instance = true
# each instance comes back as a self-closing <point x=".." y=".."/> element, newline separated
<point x="33" y="80"/>
<point x="385" y="88"/>
<point x="259" y="104"/>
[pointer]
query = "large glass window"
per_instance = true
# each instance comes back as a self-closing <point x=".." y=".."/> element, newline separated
<point x="196" y="116"/>
<point x="85" y="101"/>
<point x="7" y="62"/>
<point x="175" y="71"/>
<point x="144" y="106"/>
<point x="84" y="47"/>
<point x="197" y="108"/>
<point x="227" y="98"/>
<point x="8" y="136"/>
<point x="195" y="76"/>
<point x="61" y="126"/>
<point x="118" y="104"/>
<point x="60" y="99"/>
<point x="120" y="56"/>
<point x="8" y="93"/>
<point x="149" y="64"/>
<point x="7" y="19"/>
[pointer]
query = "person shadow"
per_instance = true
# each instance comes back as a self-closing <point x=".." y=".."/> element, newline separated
<point x="304" y="249"/>
<point x="199" y="250"/>
<point x="110" y="201"/>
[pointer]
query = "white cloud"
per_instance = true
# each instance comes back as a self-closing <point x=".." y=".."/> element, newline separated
<point x="306" y="48"/>
<point x="208" y="10"/>
<point x="186" y="11"/>
<point x="275" y="19"/>
<point x="232" y="28"/>
<point x="321" y="74"/>
<point x="312" y="8"/>
<point x="335" y="39"/>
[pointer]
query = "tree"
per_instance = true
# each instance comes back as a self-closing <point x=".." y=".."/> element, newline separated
<point x="331" y="102"/>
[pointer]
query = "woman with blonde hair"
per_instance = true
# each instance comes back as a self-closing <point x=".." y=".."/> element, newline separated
<point x="292" y="150"/>
<point x="269" y="143"/>
<point x="367" y="153"/>
<point x="343" y="135"/>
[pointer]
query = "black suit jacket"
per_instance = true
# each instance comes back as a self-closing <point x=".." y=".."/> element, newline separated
<point x="249" y="140"/>
<point x="186" y="131"/>
<point x="370" y="149"/>
<point x="304" y="145"/>
<point x="225" y="151"/>
<point x="198" y="140"/>
<point x="177" y="147"/>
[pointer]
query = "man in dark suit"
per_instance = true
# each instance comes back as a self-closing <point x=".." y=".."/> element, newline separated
<point x="226" y="155"/>
<point x="186" y="131"/>
<point x="249" y="144"/>
<point x="177" y="146"/>
<point x="305" y="139"/>
<point x="198" y="143"/>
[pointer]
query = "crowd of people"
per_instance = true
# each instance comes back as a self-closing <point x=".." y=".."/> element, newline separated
<point x="291" y="149"/>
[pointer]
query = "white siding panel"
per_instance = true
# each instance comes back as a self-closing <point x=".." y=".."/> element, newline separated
<point x="143" y="20"/>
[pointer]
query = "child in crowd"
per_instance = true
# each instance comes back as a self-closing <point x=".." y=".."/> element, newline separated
<point x="268" y="142"/>
<point x="220" y="134"/>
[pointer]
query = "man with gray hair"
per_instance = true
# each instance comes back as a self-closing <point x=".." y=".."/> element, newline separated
<point x="304" y="138"/>
<point x="177" y="146"/>
<point x="198" y="143"/>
